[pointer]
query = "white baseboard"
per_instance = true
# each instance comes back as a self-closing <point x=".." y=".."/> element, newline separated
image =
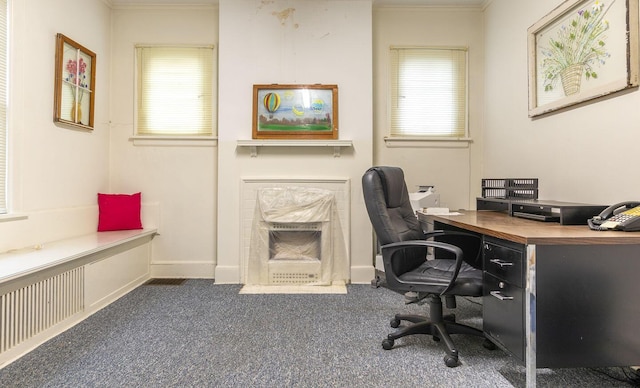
<point x="227" y="274"/>
<point x="183" y="269"/>
<point x="362" y="274"/>
<point x="379" y="263"/>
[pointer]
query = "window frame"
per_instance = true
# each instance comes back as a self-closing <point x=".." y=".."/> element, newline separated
<point x="193" y="138"/>
<point x="4" y="116"/>
<point x="407" y="139"/>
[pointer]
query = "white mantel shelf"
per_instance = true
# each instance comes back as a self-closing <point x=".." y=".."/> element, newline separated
<point x="255" y="144"/>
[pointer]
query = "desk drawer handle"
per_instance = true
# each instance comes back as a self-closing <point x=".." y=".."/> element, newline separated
<point x="501" y="263"/>
<point x="500" y="296"/>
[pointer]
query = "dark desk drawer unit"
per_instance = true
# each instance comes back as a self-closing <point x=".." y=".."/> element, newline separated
<point x="503" y="301"/>
<point x="504" y="261"/>
<point x="583" y="306"/>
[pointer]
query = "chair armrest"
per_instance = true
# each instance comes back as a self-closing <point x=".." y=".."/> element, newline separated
<point x="388" y="251"/>
<point x="442" y="232"/>
<point x="434" y="244"/>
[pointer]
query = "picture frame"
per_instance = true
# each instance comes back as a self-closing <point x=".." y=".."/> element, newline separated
<point x="75" y="80"/>
<point x="582" y="50"/>
<point x="295" y="111"/>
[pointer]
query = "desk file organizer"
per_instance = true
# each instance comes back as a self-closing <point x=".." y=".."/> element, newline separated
<point x="507" y="188"/>
<point x="519" y="197"/>
<point x="566" y="213"/>
<point x="497" y="193"/>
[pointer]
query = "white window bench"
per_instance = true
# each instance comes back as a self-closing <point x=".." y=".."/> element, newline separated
<point x="46" y="289"/>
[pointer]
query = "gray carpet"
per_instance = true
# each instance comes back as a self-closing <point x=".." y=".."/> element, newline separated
<point x="199" y="334"/>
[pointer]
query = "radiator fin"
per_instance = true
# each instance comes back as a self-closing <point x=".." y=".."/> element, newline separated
<point x="32" y="309"/>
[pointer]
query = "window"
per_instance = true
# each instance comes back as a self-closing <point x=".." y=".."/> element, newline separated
<point x="3" y="107"/>
<point x="174" y="91"/>
<point x="428" y="92"/>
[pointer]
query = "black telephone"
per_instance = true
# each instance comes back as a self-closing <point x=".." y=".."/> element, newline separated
<point x="621" y="216"/>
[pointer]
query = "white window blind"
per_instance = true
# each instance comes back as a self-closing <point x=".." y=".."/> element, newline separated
<point x="3" y="107"/>
<point x="174" y="90"/>
<point x="428" y="92"/>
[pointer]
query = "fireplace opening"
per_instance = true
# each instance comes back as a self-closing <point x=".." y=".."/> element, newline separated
<point x="295" y="241"/>
<point x="293" y="238"/>
<point x="295" y="253"/>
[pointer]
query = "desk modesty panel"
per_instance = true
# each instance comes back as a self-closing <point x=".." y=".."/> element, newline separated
<point x="556" y="295"/>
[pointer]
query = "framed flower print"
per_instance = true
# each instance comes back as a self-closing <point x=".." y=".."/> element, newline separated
<point x="75" y="80"/>
<point x="581" y="51"/>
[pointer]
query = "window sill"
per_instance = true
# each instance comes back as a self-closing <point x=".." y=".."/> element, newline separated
<point x="12" y="217"/>
<point x="179" y="141"/>
<point x="427" y="142"/>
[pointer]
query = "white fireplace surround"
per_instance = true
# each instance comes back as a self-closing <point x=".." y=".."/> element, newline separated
<point x="340" y="230"/>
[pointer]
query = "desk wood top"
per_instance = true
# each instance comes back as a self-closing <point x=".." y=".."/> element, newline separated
<point x="523" y="231"/>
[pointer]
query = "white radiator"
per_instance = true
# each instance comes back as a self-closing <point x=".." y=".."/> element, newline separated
<point x="32" y="309"/>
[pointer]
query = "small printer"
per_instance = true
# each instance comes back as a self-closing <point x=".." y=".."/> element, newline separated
<point x="425" y="197"/>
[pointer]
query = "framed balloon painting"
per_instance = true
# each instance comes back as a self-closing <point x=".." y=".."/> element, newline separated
<point x="295" y="111"/>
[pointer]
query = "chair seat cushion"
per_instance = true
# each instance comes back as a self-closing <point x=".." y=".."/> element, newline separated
<point x="435" y="275"/>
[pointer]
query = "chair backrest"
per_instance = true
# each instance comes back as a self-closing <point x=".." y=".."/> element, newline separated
<point x="387" y="201"/>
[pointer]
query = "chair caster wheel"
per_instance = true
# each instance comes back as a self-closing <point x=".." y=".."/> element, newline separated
<point x="488" y="344"/>
<point x="387" y="344"/>
<point x="394" y="323"/>
<point x="450" y="361"/>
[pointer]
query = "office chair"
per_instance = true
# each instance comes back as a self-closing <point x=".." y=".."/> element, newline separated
<point x="404" y="252"/>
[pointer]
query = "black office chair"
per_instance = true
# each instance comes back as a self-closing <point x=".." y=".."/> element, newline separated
<point x="404" y="252"/>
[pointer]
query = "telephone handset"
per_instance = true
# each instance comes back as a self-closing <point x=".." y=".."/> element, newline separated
<point x="621" y="216"/>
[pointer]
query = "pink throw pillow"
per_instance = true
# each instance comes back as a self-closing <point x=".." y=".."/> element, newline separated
<point x="119" y="211"/>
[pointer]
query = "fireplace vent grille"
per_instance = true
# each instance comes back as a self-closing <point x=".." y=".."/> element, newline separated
<point x="295" y="227"/>
<point x="293" y="277"/>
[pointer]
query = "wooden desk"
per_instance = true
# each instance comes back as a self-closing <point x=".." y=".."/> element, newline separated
<point x="556" y="296"/>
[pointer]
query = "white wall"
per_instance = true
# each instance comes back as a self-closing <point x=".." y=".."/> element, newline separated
<point x="455" y="171"/>
<point x="326" y="42"/>
<point x="56" y="172"/>
<point x="585" y="154"/>
<point x="180" y="178"/>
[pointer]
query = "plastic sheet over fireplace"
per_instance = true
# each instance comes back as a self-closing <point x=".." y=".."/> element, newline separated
<point x="296" y="238"/>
